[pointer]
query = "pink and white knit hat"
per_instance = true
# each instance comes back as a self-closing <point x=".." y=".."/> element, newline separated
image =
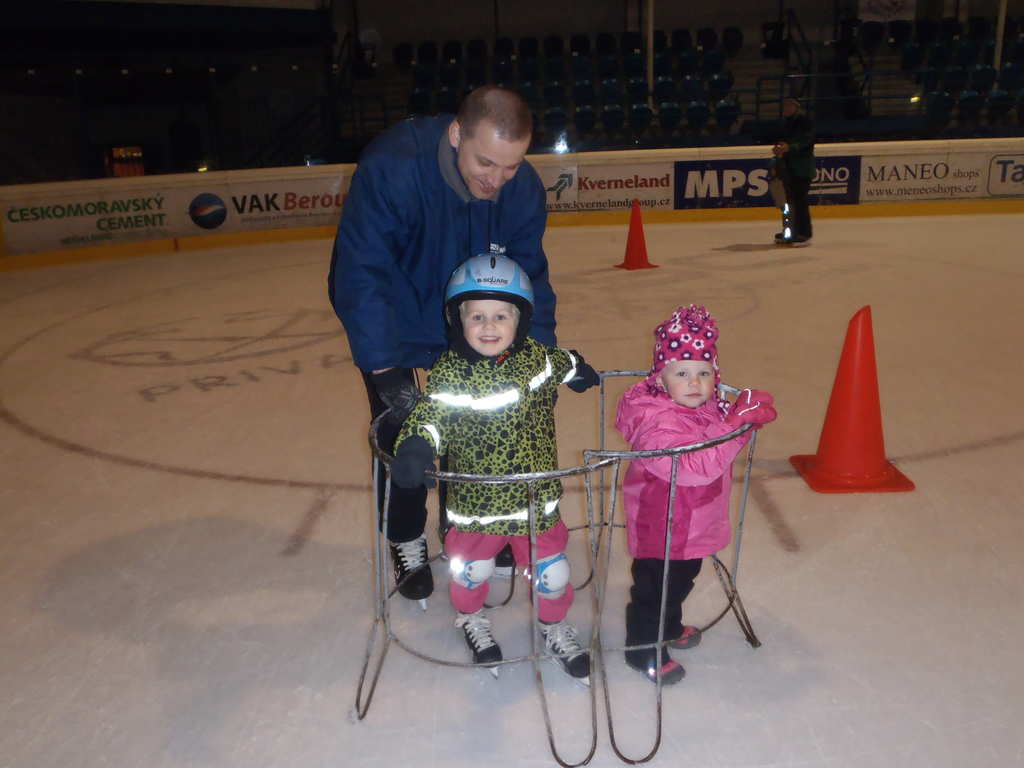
<point x="689" y="334"/>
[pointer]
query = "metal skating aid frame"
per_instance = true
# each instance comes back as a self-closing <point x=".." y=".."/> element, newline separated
<point x="595" y="463"/>
<point x="726" y="579"/>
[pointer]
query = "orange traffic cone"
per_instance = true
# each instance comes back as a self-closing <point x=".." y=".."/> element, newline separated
<point x="851" y="451"/>
<point x="636" y="245"/>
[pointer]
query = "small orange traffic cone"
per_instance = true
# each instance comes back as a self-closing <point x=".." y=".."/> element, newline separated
<point x="851" y="450"/>
<point x="636" y="245"/>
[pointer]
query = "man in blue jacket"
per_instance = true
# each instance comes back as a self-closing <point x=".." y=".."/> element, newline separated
<point x="428" y="194"/>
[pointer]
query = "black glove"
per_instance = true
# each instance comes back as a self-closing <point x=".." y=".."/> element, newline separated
<point x="397" y="391"/>
<point x="412" y="459"/>
<point x="585" y="378"/>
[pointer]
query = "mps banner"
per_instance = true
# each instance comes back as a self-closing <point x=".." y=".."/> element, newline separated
<point x="744" y="182"/>
<point x="54" y="217"/>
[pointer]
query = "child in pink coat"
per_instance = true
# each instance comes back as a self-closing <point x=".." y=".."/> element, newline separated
<point x="678" y="404"/>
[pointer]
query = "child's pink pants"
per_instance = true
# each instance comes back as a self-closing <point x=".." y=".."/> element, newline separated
<point x="482" y="546"/>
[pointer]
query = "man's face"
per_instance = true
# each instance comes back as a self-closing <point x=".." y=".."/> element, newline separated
<point x="485" y="160"/>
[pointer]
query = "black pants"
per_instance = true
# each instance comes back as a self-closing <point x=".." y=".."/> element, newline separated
<point x="799" y="209"/>
<point x="407" y="515"/>
<point x="645" y="606"/>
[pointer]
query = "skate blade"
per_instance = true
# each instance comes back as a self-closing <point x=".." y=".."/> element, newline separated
<point x="423" y="603"/>
<point x="493" y="671"/>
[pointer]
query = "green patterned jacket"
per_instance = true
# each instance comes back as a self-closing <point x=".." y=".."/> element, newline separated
<point x="495" y="418"/>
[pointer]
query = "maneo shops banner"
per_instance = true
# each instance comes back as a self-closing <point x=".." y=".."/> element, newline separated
<point x="94" y="215"/>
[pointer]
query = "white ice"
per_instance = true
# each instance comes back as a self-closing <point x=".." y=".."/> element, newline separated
<point x="185" y="570"/>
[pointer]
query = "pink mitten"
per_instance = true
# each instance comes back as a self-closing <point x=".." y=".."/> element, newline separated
<point x="752" y="406"/>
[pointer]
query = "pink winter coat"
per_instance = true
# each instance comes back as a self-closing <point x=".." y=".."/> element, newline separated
<point x="703" y="478"/>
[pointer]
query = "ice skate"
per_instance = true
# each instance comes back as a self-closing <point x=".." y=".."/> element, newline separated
<point x="477" y="629"/>
<point x="412" y="570"/>
<point x="561" y="641"/>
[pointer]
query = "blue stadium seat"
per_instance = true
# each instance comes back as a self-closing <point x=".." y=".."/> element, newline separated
<point x="504" y="48"/>
<point x="938" y="109"/>
<point x="581" y="66"/>
<point x="660" y="41"/>
<point x="928" y="78"/>
<point x="584" y="119"/>
<point x="612" y="91"/>
<point x="939" y="55"/>
<point x="555" y="121"/>
<point x="969" y="107"/>
<point x="426" y="51"/>
<point x="727" y="112"/>
<point x="636" y="89"/>
<point x="979" y="28"/>
<point x="712" y="61"/>
<point x="697" y="115"/>
<point x="640" y="118"/>
<point x="583" y="92"/>
<point x="447" y="100"/>
<point x="554" y="94"/>
<point x="1011" y="77"/>
<point x="669" y="116"/>
<point x="998" y="105"/>
<point x="954" y="79"/>
<point x="688" y="62"/>
<point x="607" y="65"/>
<point x="926" y="31"/>
<point x="982" y="78"/>
<point x="419" y="101"/>
<point x="965" y="52"/>
<point x="663" y="63"/>
<point x="528" y="68"/>
<point x="950" y="29"/>
<point x="665" y="89"/>
<point x="634" y="64"/>
<point x="911" y="57"/>
<point x="691" y="88"/>
<point x="554" y="68"/>
<point x="613" y="118"/>
<point x="719" y="85"/>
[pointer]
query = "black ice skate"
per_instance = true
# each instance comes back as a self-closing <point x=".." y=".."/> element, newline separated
<point x="412" y="570"/>
<point x="561" y="641"/>
<point x="477" y="629"/>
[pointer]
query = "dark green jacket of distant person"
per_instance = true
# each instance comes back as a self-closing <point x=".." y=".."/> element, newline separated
<point x="799" y="134"/>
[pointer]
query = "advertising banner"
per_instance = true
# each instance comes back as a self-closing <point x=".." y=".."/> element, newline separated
<point x="84" y="215"/>
<point x="744" y="182"/>
<point x="905" y="178"/>
<point x="608" y="187"/>
<point x="560" y="185"/>
<point x="1006" y="175"/>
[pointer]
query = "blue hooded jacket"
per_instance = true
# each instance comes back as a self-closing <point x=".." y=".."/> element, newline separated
<point x="407" y="223"/>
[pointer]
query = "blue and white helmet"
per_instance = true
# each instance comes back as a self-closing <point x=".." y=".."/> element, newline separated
<point x="490" y="276"/>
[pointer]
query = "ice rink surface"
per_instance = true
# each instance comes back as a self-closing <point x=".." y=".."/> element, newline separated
<point x="185" y="567"/>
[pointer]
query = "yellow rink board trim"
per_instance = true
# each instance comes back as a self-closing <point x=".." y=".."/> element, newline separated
<point x="558" y="219"/>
